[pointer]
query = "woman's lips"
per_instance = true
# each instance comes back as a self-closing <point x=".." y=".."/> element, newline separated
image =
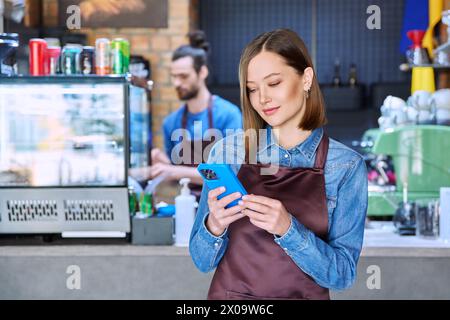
<point x="270" y="111"/>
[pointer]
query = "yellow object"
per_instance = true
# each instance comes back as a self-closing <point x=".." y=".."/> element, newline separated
<point x="435" y="8"/>
<point x="422" y="79"/>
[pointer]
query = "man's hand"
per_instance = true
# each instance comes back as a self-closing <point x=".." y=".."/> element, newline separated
<point x="169" y="170"/>
<point x="266" y="213"/>
<point x="159" y="156"/>
<point x="151" y="172"/>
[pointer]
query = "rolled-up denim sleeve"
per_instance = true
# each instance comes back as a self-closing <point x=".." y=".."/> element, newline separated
<point x="332" y="264"/>
<point x="206" y="249"/>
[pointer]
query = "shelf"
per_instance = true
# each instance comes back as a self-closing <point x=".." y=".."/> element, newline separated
<point x="445" y="48"/>
<point x="434" y="66"/>
<point x="60" y="78"/>
<point x="408" y="67"/>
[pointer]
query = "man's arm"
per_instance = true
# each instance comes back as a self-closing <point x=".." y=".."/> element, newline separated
<point x="176" y="172"/>
<point x="172" y="172"/>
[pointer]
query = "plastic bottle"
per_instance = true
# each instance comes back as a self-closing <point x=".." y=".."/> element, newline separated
<point x="185" y="206"/>
<point x="337" y="73"/>
<point x="352" y="78"/>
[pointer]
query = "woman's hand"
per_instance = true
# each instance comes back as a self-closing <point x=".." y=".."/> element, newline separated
<point x="220" y="218"/>
<point x="266" y="213"/>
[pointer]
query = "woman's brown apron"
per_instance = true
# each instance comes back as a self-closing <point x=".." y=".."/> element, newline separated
<point x="196" y="155"/>
<point x="254" y="265"/>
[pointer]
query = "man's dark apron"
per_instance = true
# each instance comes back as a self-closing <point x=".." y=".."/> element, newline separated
<point x="254" y="266"/>
<point x="197" y="153"/>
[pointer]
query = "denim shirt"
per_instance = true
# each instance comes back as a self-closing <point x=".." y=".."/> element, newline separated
<point x="332" y="264"/>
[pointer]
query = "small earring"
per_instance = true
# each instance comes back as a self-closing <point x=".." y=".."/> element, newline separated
<point x="307" y="92"/>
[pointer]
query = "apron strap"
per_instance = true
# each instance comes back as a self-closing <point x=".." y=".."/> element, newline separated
<point x="210" y="117"/>
<point x="322" y="152"/>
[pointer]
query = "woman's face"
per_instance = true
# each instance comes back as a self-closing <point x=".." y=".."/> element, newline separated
<point x="276" y="90"/>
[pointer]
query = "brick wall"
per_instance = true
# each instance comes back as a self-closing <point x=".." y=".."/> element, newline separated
<point x="156" y="45"/>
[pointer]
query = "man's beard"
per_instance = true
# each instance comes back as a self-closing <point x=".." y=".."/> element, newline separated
<point x="188" y="94"/>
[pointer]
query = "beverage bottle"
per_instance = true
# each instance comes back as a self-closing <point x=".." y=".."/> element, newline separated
<point x="185" y="206"/>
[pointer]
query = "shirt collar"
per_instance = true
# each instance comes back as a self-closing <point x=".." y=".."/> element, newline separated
<point x="307" y="148"/>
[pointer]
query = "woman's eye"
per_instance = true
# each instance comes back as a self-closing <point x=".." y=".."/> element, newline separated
<point x="274" y="84"/>
<point x="251" y="90"/>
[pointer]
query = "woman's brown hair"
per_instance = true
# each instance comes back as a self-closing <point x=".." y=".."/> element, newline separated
<point x="287" y="44"/>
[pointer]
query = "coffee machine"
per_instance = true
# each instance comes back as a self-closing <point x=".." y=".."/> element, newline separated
<point x="420" y="156"/>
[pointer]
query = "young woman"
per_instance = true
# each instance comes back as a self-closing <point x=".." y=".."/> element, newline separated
<point x="299" y="231"/>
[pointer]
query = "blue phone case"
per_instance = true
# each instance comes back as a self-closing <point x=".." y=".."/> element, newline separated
<point x="224" y="177"/>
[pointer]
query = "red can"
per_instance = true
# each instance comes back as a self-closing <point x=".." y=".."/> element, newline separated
<point x="38" y="57"/>
<point x="52" y="60"/>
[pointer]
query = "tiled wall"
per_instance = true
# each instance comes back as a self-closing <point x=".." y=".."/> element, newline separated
<point x="341" y="33"/>
<point x="231" y="24"/>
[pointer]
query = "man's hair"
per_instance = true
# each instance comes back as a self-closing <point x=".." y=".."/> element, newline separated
<point x="197" y="49"/>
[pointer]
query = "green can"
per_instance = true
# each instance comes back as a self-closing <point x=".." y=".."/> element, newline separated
<point x="120" y="55"/>
<point x="146" y="203"/>
<point x="133" y="201"/>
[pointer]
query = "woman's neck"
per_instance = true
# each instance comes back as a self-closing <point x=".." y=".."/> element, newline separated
<point x="200" y="102"/>
<point x="288" y="134"/>
<point x="290" y="137"/>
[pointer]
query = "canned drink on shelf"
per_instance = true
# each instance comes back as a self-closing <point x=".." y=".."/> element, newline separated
<point x="53" y="42"/>
<point x="9" y="43"/>
<point x="9" y="36"/>
<point x="38" y="48"/>
<point x="53" y="58"/>
<point x="120" y="55"/>
<point x="70" y="59"/>
<point x="133" y="201"/>
<point x="146" y="204"/>
<point x="127" y="55"/>
<point x="102" y="56"/>
<point x="87" y="60"/>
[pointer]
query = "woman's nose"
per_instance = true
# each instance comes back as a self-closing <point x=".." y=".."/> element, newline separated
<point x="263" y="97"/>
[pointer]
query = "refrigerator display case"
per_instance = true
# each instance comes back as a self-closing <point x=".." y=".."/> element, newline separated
<point x="63" y="156"/>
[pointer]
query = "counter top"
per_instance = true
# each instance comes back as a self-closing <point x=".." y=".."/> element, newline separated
<point x="125" y="271"/>
<point x="92" y="250"/>
<point x="379" y="240"/>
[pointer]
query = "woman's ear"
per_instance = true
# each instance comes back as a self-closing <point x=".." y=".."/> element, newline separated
<point x="308" y="76"/>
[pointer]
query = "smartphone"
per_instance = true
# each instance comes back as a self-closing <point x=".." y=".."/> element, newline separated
<point x="221" y="175"/>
